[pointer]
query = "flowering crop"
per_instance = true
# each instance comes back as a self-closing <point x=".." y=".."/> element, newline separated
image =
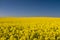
<point x="30" y="30"/>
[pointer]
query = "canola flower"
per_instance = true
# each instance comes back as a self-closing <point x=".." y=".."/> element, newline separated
<point x="30" y="29"/>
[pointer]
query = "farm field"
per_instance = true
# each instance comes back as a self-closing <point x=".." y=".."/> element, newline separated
<point x="30" y="28"/>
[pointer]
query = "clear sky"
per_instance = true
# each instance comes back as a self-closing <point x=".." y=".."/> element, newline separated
<point x="29" y="8"/>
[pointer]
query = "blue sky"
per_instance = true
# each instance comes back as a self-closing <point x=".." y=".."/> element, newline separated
<point x="30" y="8"/>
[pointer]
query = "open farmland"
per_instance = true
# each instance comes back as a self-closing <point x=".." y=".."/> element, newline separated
<point x="30" y="28"/>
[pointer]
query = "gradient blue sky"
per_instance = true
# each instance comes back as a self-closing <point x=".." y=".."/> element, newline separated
<point x="30" y="8"/>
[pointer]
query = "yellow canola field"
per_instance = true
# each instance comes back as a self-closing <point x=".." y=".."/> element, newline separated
<point x="30" y="28"/>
